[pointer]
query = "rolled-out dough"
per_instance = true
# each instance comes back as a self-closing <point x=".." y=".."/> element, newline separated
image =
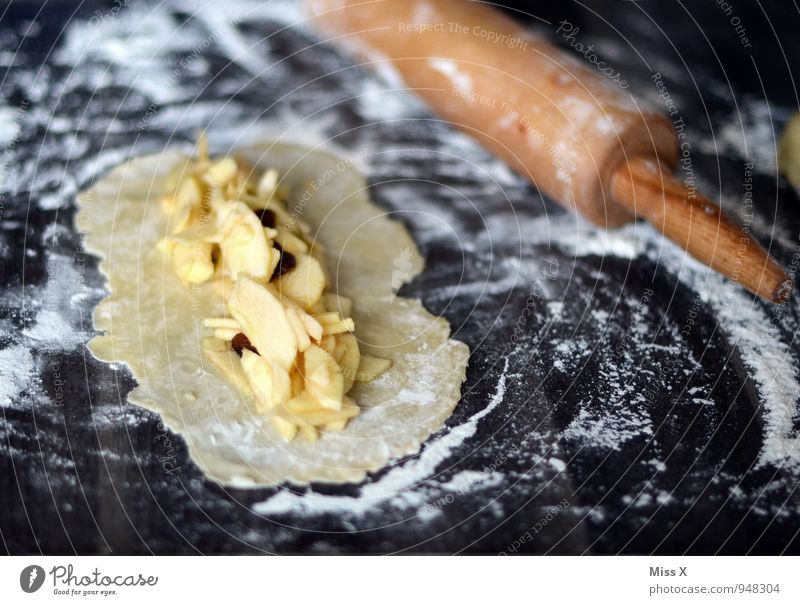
<point x="153" y="323"/>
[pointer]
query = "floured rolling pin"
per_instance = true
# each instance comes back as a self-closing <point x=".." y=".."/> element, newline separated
<point x="575" y="134"/>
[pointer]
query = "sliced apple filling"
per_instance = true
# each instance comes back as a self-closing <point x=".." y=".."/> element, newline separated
<point x="286" y="343"/>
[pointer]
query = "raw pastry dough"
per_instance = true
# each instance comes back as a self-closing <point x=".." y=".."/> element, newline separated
<point x="154" y="324"/>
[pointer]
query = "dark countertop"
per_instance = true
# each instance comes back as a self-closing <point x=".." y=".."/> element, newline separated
<point x="601" y="423"/>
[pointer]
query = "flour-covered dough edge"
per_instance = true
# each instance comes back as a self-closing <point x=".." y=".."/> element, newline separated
<point x="146" y="325"/>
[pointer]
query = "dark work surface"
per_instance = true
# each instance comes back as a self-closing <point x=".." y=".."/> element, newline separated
<point x="651" y="471"/>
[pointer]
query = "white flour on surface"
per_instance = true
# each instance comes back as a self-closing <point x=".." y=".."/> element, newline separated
<point x="744" y="322"/>
<point x="56" y="324"/>
<point x="142" y="45"/>
<point x="399" y="483"/>
<point x="9" y="125"/>
<point x="16" y="378"/>
<point x="747" y="133"/>
<point x="458" y="78"/>
<point x="768" y="358"/>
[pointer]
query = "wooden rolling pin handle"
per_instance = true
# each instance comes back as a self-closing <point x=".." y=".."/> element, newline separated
<point x="650" y="190"/>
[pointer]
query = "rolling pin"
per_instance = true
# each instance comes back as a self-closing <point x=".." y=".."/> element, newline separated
<point x="578" y="136"/>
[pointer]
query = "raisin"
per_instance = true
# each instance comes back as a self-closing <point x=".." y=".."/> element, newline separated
<point x="267" y="217"/>
<point x="239" y="342"/>
<point x="286" y="263"/>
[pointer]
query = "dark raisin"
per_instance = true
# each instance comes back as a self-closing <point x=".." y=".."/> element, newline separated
<point x="239" y="342"/>
<point x="286" y="263"/>
<point x="267" y="217"/>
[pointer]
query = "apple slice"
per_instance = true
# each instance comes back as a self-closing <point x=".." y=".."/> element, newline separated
<point x="303" y="284"/>
<point x="220" y="173"/>
<point x="222" y="322"/>
<point x="189" y="193"/>
<point x="321" y="417"/>
<point x="301" y="403"/>
<point x="303" y="341"/>
<point x="286" y="428"/>
<point x="309" y="326"/>
<point x="337" y="302"/>
<point x="329" y="344"/>
<point x="226" y="333"/>
<point x="309" y="433"/>
<point x="339" y="327"/>
<point x="290" y="242"/>
<point x="222" y="357"/>
<point x="222" y="286"/>
<point x="349" y="357"/>
<point x="193" y="261"/>
<point x="313" y="327"/>
<point x="369" y="368"/>
<point x="268" y="184"/>
<point x="327" y="317"/>
<point x="185" y="205"/>
<point x="323" y="378"/>
<point x="281" y="383"/>
<point x="259" y="376"/>
<point x="264" y="321"/>
<point x="244" y="245"/>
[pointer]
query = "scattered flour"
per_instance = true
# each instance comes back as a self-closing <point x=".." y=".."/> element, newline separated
<point x="468" y="480"/>
<point x="397" y="483"/>
<point x="747" y="133"/>
<point x="459" y="78"/>
<point x="142" y="56"/>
<point x="9" y="125"/>
<point x="377" y="102"/>
<point x="773" y="369"/>
<point x="742" y="319"/>
<point x="16" y="378"/>
<point x="141" y="47"/>
<point x="56" y="325"/>
<point x="621" y="243"/>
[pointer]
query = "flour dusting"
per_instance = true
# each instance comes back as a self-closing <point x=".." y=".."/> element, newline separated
<point x="152" y="75"/>
<point x="398" y="485"/>
<point x="748" y="133"/>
